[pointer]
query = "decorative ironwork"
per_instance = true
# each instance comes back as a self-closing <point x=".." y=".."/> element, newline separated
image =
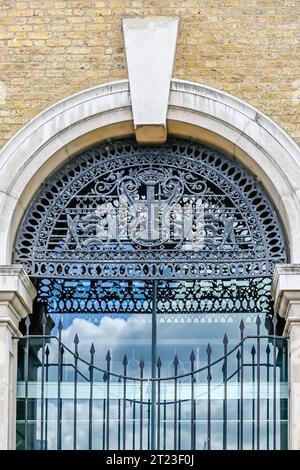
<point x="186" y="410"/>
<point x="173" y="297"/>
<point x="122" y="210"/>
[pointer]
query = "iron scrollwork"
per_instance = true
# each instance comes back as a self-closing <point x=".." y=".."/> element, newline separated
<point x="177" y="211"/>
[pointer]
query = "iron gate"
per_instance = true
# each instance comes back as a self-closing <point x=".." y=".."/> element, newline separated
<point x="235" y="401"/>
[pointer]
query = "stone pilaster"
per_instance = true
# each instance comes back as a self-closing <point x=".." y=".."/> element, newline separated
<point x="286" y="291"/>
<point x="16" y="295"/>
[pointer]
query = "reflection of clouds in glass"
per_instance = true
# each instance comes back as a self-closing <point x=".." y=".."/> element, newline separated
<point x="131" y="335"/>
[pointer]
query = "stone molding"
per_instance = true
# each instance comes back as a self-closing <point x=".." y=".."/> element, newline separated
<point x="103" y="112"/>
<point x="286" y="293"/>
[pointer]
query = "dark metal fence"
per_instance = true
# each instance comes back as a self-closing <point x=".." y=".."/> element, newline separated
<point x="235" y="401"/>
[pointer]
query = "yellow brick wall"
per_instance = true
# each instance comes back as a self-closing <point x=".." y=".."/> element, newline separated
<point x="50" y="49"/>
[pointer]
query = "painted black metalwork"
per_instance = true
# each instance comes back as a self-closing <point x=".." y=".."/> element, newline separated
<point x="141" y="365"/>
<point x="91" y="380"/>
<point x="274" y="384"/>
<point x="158" y="365"/>
<point x="193" y="433"/>
<point x="225" y="343"/>
<point x="122" y="210"/>
<point x="125" y="363"/>
<point x="184" y="389"/>
<point x="258" y="323"/>
<point x="253" y="353"/>
<point x="242" y="328"/>
<point x="175" y="363"/>
<point x="76" y="342"/>
<point x="60" y="355"/>
<point x="209" y="377"/>
<point x="84" y="297"/>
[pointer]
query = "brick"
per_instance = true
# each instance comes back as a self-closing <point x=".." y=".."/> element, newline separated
<point x="51" y="49"/>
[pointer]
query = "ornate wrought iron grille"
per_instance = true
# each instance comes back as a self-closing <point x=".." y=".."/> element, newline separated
<point x="116" y="297"/>
<point x="121" y="210"/>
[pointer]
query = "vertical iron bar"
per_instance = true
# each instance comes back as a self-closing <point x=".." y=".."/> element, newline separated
<point x="165" y="423"/>
<point x="153" y="361"/>
<point x="46" y="400"/>
<point x="43" y="381"/>
<point x="149" y="418"/>
<point x="158" y="365"/>
<point x="91" y="369"/>
<point x="242" y="327"/>
<point x="133" y="424"/>
<point x="26" y="376"/>
<point x="119" y="424"/>
<point x="274" y="383"/>
<point x="283" y="415"/>
<point x="192" y="360"/>
<point x="253" y="353"/>
<point x="258" y="322"/>
<point x="175" y="363"/>
<point x="208" y="350"/>
<point x="125" y="363"/>
<point x="179" y="419"/>
<point x="238" y="356"/>
<point x="268" y="399"/>
<point x="225" y="343"/>
<point x="142" y="365"/>
<point x="195" y="422"/>
<point x="59" y="377"/>
<point x="108" y="361"/>
<point x="103" y="423"/>
<point x="76" y="341"/>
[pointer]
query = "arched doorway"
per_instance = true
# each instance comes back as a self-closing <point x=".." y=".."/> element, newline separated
<point x="150" y="252"/>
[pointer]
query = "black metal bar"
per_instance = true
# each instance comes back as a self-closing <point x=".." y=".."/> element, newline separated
<point x="179" y="421"/>
<point x="283" y="402"/>
<point x="192" y="360"/>
<point x="43" y="382"/>
<point x="103" y="423"/>
<point x="253" y="353"/>
<point x="125" y="363"/>
<point x="258" y="322"/>
<point x="149" y="424"/>
<point x="141" y="365"/>
<point x="242" y="327"/>
<point x="195" y="421"/>
<point x="208" y="350"/>
<point x="91" y="370"/>
<point x="225" y="343"/>
<point x="26" y="377"/>
<point x="76" y="342"/>
<point x="268" y="399"/>
<point x="119" y="424"/>
<point x="238" y="356"/>
<point x="274" y="384"/>
<point x="158" y="365"/>
<point x="133" y="424"/>
<point x="153" y="361"/>
<point x="59" y="378"/>
<point x="46" y="400"/>
<point x="108" y="361"/>
<point x="165" y="423"/>
<point x="175" y="363"/>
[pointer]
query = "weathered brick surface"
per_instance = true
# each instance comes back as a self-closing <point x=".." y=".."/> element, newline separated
<point x="50" y="49"/>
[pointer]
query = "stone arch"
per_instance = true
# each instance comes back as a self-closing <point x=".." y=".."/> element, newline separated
<point x="104" y="112"/>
